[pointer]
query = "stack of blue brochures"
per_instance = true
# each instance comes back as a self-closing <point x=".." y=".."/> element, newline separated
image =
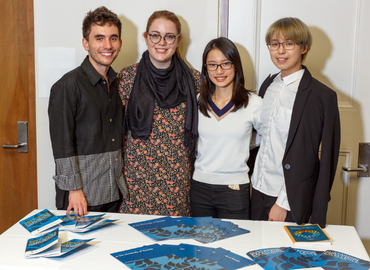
<point x="285" y="258"/>
<point x="77" y="224"/>
<point x="181" y="256"/>
<point x="202" y="229"/>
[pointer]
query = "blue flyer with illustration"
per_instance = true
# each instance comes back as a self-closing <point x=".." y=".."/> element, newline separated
<point x="68" y="220"/>
<point x="69" y="246"/>
<point x="41" y="243"/>
<point x="95" y="226"/>
<point x="85" y="221"/>
<point x="183" y="256"/>
<point x="153" y="257"/>
<point x="270" y="258"/>
<point x="330" y="260"/>
<point x="201" y="229"/>
<point x="233" y="261"/>
<point x="40" y="222"/>
<point x="156" y="223"/>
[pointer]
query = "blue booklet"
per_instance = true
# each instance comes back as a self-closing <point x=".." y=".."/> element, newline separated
<point x="95" y="226"/>
<point x="41" y="243"/>
<point x="233" y="261"/>
<point x="150" y="257"/>
<point x="85" y="221"/>
<point x="201" y="229"/>
<point x="270" y="258"/>
<point x="331" y="259"/>
<point x="307" y="235"/>
<point x="40" y="222"/>
<point x="68" y="220"/>
<point x="155" y="223"/>
<point x="67" y="247"/>
<point x="284" y="258"/>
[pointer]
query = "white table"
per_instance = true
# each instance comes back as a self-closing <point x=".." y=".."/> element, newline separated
<point x="262" y="234"/>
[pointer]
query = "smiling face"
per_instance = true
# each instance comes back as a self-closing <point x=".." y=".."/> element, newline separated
<point x="223" y="79"/>
<point x="103" y="46"/>
<point x="160" y="54"/>
<point x="288" y="61"/>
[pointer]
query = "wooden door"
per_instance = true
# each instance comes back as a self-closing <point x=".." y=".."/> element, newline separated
<point x="18" y="179"/>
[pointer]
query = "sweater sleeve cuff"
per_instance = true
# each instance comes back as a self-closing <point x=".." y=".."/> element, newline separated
<point x="68" y="176"/>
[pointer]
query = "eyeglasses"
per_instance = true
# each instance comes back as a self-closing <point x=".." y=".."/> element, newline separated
<point x="169" y="39"/>
<point x="224" y="66"/>
<point x="286" y="45"/>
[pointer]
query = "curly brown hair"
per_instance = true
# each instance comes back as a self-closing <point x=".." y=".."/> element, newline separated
<point x="100" y="16"/>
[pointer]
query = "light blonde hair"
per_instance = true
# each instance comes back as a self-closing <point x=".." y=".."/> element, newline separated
<point x="291" y="29"/>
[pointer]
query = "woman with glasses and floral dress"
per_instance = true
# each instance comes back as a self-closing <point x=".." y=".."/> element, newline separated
<point x="228" y="114"/>
<point x="161" y="122"/>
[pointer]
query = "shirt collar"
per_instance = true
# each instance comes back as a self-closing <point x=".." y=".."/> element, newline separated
<point x="291" y="78"/>
<point x="93" y="75"/>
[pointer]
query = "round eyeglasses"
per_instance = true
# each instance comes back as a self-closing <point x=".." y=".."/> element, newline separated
<point x="224" y="66"/>
<point x="169" y="39"/>
<point x="274" y="46"/>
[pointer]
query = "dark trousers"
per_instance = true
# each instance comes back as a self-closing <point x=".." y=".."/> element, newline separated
<point x="261" y="205"/>
<point x="219" y="201"/>
<point x="112" y="207"/>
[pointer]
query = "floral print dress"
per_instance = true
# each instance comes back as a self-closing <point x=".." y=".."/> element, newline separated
<point x="158" y="169"/>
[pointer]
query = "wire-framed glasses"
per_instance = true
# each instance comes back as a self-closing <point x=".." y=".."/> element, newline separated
<point x="169" y="39"/>
<point x="224" y="66"/>
<point x="287" y="45"/>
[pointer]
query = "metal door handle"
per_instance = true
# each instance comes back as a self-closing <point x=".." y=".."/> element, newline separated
<point x="363" y="161"/>
<point x="22" y="130"/>
<point x="361" y="168"/>
<point x="13" y="146"/>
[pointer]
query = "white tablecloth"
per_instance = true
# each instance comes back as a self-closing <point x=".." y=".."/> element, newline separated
<point x="121" y="237"/>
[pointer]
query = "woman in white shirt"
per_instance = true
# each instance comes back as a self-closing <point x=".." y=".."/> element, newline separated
<point x="228" y="114"/>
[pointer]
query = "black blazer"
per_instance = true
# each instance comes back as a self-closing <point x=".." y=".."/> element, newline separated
<point x="315" y="121"/>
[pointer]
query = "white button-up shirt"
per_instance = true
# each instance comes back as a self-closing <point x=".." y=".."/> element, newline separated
<point x="278" y="101"/>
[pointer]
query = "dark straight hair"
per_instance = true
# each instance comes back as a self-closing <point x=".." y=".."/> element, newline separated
<point x="240" y="96"/>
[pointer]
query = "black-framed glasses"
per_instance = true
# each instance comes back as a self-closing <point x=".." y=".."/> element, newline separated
<point x="169" y="39"/>
<point x="287" y="45"/>
<point x="224" y="66"/>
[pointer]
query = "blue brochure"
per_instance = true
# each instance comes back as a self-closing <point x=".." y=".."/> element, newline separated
<point x="188" y="250"/>
<point x="218" y="254"/>
<point x="301" y="258"/>
<point x="95" y="226"/>
<point x="68" y="220"/>
<point x="41" y="243"/>
<point x="67" y="248"/>
<point x="39" y="222"/>
<point x="150" y="257"/>
<point x="85" y="221"/>
<point x="234" y="232"/>
<point x="284" y="258"/>
<point x="331" y="259"/>
<point x="152" y="224"/>
<point x="207" y="221"/>
<point x="233" y="261"/>
<point x="216" y="223"/>
<point x="270" y="258"/>
<point x="199" y="228"/>
<point x="203" y="252"/>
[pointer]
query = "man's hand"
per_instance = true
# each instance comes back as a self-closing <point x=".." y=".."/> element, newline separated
<point x="78" y="202"/>
<point x="277" y="213"/>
